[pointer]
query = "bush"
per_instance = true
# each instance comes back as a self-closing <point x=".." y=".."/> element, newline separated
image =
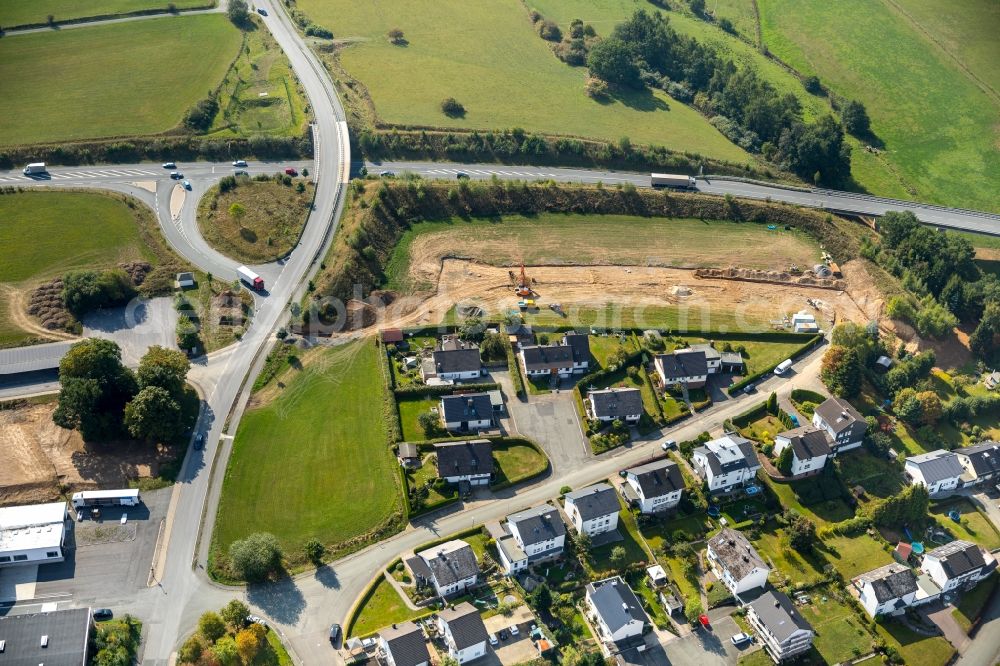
<point x="452" y="107"/>
<point x="84" y="291"/>
<point x="549" y="31"/>
<point x="201" y="116"/>
<point x="255" y="557"/>
<point x="239" y="13"/>
<point x="396" y="37"/>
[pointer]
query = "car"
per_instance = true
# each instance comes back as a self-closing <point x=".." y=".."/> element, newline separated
<point x="240" y="163"/>
<point x="291" y="172"/>
<point x="103" y="614"/>
<point x="199" y="442"/>
<point x="186" y="184"/>
<point x="741" y="638"/>
<point x="704" y="621"/>
<point x="241" y="172"/>
<point x="493" y="640"/>
<point x="334" y="633"/>
<point x="504" y="635"/>
<point x="514" y="630"/>
<point x="169" y="165"/>
<point x="262" y="11"/>
<point x="176" y="175"/>
<point x="386" y="174"/>
<point x="255" y="619"/>
<point x="669" y="444"/>
<point x="461" y="175"/>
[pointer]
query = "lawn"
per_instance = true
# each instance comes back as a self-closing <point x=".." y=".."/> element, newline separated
<point x="686" y="586"/>
<point x="265" y="226"/>
<point x="603" y="346"/>
<point x="840" y="634"/>
<point x="317" y="443"/>
<point x="410" y="410"/>
<point x="879" y="476"/>
<point x="600" y="558"/>
<point x="773" y="548"/>
<point x="854" y="555"/>
<point x="970" y="605"/>
<point x="972" y="526"/>
<point x="933" y="117"/>
<point x="382" y="608"/>
<point x="517" y="461"/>
<point x="425" y="475"/>
<point x="815" y="498"/>
<point x="913" y="647"/>
<point x="763" y="429"/>
<point x="13" y="13"/>
<point x="613" y="313"/>
<point x="660" y="533"/>
<point x="137" y="78"/>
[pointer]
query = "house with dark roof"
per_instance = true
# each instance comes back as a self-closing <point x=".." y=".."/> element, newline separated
<point x="469" y="461"/>
<point x="654" y="487"/>
<point x="726" y="462"/>
<point x="779" y="626"/>
<point x="580" y="344"/>
<point x="810" y="448"/>
<point x="453" y="363"/>
<point x="736" y="563"/>
<point x="404" y="645"/>
<point x="959" y="564"/>
<point x="593" y="510"/>
<point x="391" y="336"/>
<point x="980" y="461"/>
<point x="844" y="423"/>
<point x="530" y="536"/>
<point x="888" y="590"/>
<point x="939" y="471"/>
<point x="615" y="611"/>
<point x="66" y="635"/>
<point x="624" y="404"/>
<point x="684" y="366"/>
<point x="541" y="361"/>
<point x="450" y="568"/>
<point x="471" y="411"/>
<point x="464" y="632"/>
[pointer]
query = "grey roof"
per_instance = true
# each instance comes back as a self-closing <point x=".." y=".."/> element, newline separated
<point x="778" y="614"/>
<point x="33" y="358"/>
<point x="808" y="442"/>
<point x="548" y="357"/>
<point x="408" y="450"/>
<point x="468" y="407"/>
<point x="958" y="557"/>
<point x="467" y="628"/>
<point x="937" y="465"/>
<point x="893" y="581"/>
<point x="728" y="454"/>
<point x="984" y="457"/>
<point x="657" y="478"/>
<point x="683" y="364"/>
<point x="615" y="602"/>
<point x="68" y="632"/>
<point x="462" y="458"/>
<point x="735" y="553"/>
<point x="840" y="415"/>
<point x="451" y="566"/>
<point x="732" y="358"/>
<point x="594" y="501"/>
<point x="406" y="643"/>
<point x="457" y="360"/>
<point x="580" y="344"/>
<point x="616" y="402"/>
<point x="711" y="353"/>
<point x="540" y="523"/>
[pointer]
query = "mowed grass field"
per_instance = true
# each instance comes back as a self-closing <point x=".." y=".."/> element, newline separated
<point x="116" y="79"/>
<point x="939" y="127"/>
<point x="312" y="462"/>
<point x="17" y="12"/>
<point x="488" y="57"/>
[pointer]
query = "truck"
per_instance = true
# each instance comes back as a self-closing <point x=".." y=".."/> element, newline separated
<point x="250" y="278"/>
<point x="89" y="498"/>
<point x="672" y="180"/>
<point x="34" y="168"/>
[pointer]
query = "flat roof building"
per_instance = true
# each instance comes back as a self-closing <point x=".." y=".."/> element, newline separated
<point x="59" y="638"/>
<point x="32" y="534"/>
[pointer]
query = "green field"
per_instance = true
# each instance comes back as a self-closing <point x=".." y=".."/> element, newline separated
<point x="939" y="128"/>
<point x="318" y="443"/>
<point x="488" y="57"/>
<point x="854" y="555"/>
<point x="14" y="12"/>
<point x="109" y="80"/>
<point x="773" y="548"/>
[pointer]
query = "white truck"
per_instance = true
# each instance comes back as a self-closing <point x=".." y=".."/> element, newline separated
<point x="34" y="169"/>
<point x="672" y="180"/>
<point x="250" y="278"/>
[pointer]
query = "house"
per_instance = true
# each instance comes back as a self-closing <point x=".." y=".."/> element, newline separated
<point x="184" y="280"/>
<point x="843" y="422"/>
<point x="713" y="357"/>
<point x="471" y="411"/>
<point x="541" y="361"/>
<point x="391" y="336"/>
<point x="888" y="590"/>
<point x="980" y="461"/>
<point x="735" y="562"/>
<point x="452" y="364"/>
<point x="655" y="486"/>
<point x="883" y="363"/>
<point x="32" y="534"/>
<point x="616" y="611"/>
<point x="959" y="564"/>
<point x="992" y="380"/>
<point x="408" y="455"/>
<point x="810" y="448"/>
<point x="66" y="633"/>
<point x="593" y="510"/>
<point x="580" y="344"/>
<point x="520" y="336"/>
<point x="404" y="645"/>
<point x="657" y="575"/>
<point x="779" y="626"/>
<point x="470" y="461"/>
<point x="464" y="632"/>
<point x="726" y="462"/>
<point x="940" y="471"/>
<point x="450" y="568"/>
<point x="529" y="536"/>
<point x="624" y="404"/>
<point x="685" y="367"/>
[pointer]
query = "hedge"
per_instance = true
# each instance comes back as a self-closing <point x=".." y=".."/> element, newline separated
<point x="513" y="368"/>
<point x="805" y="395"/>
<point x="444" y="389"/>
<point x="750" y="379"/>
<point x="749" y="416"/>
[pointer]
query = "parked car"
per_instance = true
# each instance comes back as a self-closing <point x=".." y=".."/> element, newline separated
<point x="103" y="614"/>
<point x="386" y="174"/>
<point x="669" y="444"/>
<point x="290" y="171"/>
<point x="199" y="442"/>
<point x="254" y="619"/>
<point x="493" y="640"/>
<point x="240" y="163"/>
<point x="504" y="635"/>
<point x="741" y="638"/>
<point x="169" y="165"/>
<point x="334" y="633"/>
<point x="262" y="11"/>
<point x="186" y="184"/>
<point x="514" y="630"/>
<point x="176" y="175"/>
<point x="704" y="621"/>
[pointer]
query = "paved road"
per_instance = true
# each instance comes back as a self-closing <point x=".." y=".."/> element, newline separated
<point x="832" y="200"/>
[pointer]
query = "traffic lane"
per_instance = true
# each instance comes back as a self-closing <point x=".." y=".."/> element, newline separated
<point x="63" y="175"/>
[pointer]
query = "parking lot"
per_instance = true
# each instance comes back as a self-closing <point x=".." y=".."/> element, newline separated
<point x="512" y="649"/>
<point x="707" y="647"/>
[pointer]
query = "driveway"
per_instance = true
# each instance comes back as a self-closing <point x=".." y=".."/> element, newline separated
<point x="135" y="327"/>
<point x="945" y="621"/>
<point x="706" y="648"/>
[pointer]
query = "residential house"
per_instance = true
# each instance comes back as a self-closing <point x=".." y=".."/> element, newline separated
<point x="404" y="645"/>
<point x="959" y="564"/>
<point x="726" y="462"/>
<point x="593" y="510"/>
<point x="684" y="367"/>
<point x="542" y="361"/>
<point x="888" y="590"/>
<point x="453" y="364"/>
<point x="735" y="562"/>
<point x="713" y="357"/>
<point x="940" y="471"/>
<point x="468" y="461"/>
<point x="450" y="568"/>
<point x="810" y="448"/>
<point x="981" y="461"/>
<point x="520" y="335"/>
<point x="624" y="404"/>
<point x="464" y="632"/>
<point x="992" y="380"/>
<point x="530" y="536"/>
<point x="655" y="486"/>
<point x="616" y="611"/>
<point x="580" y="344"/>
<point x="408" y="455"/>
<point x="32" y="534"/>
<point x="779" y="626"/>
<point x="845" y="425"/>
<point x="471" y="411"/>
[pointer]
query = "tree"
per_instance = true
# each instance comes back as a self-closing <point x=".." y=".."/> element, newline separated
<point x="855" y="118"/>
<point x="493" y="347"/>
<point x="841" y="371"/>
<point x="187" y="334"/>
<point x="801" y="533"/>
<point x="812" y="85"/>
<point x="473" y="329"/>
<point x="396" y="37"/>
<point x="235" y="613"/>
<point x="907" y="406"/>
<point x="84" y="291"/>
<point x="225" y="651"/>
<point x="239" y="13"/>
<point x="429" y="423"/>
<point x="256" y="556"/>
<point x="697" y="7"/>
<point x="541" y="598"/>
<point x="211" y="626"/>
<point x="154" y="415"/>
<point x="190" y="651"/>
<point x="201" y="116"/>
<point x="930" y="407"/>
<point x="612" y="60"/>
<point x="618" y="557"/>
<point x="247" y="645"/>
<point x="314" y="551"/>
<point x="692" y="609"/>
<point x="166" y="368"/>
<point x="785" y="459"/>
<point x="448" y="660"/>
<point x="583" y="543"/>
<point x="985" y="340"/>
<point x="452" y="107"/>
<point x="96" y="386"/>
<point x="237" y="211"/>
<point x="772" y="404"/>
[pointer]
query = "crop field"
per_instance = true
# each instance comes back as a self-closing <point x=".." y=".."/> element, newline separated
<point x="939" y="128"/>
<point x="110" y="80"/>
<point x="14" y="12"/>
<point x="454" y="47"/>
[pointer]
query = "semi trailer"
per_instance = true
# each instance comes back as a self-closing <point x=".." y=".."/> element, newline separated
<point x="671" y="180"/>
<point x="250" y="278"/>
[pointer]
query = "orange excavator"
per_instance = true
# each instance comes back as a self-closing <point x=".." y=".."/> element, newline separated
<point x="523" y="284"/>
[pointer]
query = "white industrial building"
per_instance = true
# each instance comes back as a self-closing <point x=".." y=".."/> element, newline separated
<point x="32" y="534"/>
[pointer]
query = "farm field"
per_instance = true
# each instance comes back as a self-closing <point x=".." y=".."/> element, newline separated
<point x="13" y="13"/>
<point x="453" y="47"/>
<point x="137" y="78"/>
<point x="938" y="126"/>
<point x="327" y="417"/>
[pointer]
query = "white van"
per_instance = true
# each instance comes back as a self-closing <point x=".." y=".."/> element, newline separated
<point x="783" y="367"/>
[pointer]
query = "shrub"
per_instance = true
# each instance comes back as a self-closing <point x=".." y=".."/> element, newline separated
<point x="255" y="557"/>
<point x="202" y="114"/>
<point x="549" y="31"/>
<point x="84" y="291"/>
<point x="239" y="13"/>
<point x="452" y="107"/>
<point x="396" y="37"/>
